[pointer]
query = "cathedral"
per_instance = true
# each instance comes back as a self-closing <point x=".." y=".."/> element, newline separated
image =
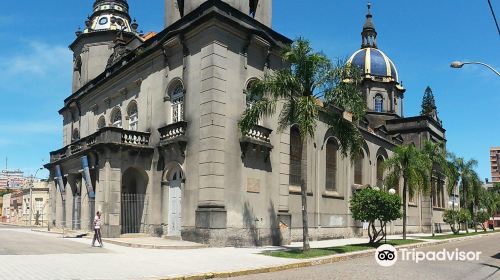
<point x="151" y="137"/>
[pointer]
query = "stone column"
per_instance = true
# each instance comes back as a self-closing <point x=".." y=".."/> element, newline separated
<point x="211" y="211"/>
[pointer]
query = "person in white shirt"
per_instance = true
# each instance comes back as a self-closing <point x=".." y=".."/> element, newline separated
<point x="97" y="229"/>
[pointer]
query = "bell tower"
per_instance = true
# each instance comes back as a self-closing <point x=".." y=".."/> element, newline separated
<point x="260" y="10"/>
<point x="93" y="46"/>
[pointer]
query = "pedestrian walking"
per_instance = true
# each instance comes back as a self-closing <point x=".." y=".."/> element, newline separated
<point x="97" y="229"/>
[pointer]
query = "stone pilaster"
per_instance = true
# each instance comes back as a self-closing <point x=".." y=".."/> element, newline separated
<point x="211" y="158"/>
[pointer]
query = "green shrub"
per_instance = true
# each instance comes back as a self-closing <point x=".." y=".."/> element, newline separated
<point x="377" y="208"/>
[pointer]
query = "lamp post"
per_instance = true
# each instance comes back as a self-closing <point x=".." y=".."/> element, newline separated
<point x="31" y="196"/>
<point x="392" y="192"/>
<point x="460" y="64"/>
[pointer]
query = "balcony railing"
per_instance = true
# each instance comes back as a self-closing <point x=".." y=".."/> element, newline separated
<point x="259" y="134"/>
<point x="172" y="133"/>
<point x="106" y="135"/>
<point x="257" y="137"/>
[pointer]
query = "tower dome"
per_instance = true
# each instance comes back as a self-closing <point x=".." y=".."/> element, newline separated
<point x="110" y="15"/>
<point x="374" y="63"/>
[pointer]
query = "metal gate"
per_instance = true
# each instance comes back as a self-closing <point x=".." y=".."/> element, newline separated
<point x="77" y="213"/>
<point x="132" y="209"/>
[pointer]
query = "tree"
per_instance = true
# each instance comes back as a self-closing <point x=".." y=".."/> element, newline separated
<point x="428" y="103"/>
<point x="374" y="206"/>
<point x="413" y="165"/>
<point x="464" y="217"/>
<point x="437" y="155"/>
<point x="451" y="217"/>
<point x="311" y="86"/>
<point x="476" y="187"/>
<point x="465" y="170"/>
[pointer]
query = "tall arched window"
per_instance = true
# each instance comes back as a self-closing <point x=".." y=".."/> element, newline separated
<point x="379" y="103"/>
<point x="101" y="123"/>
<point x="133" y="117"/>
<point x="177" y="102"/>
<point x="380" y="171"/>
<point x="358" y="169"/>
<point x="295" y="157"/>
<point x="331" y="165"/>
<point x="116" y="118"/>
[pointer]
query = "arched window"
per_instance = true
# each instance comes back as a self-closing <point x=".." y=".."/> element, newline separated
<point x="75" y="136"/>
<point x="331" y="165"/>
<point x="358" y="169"/>
<point x="250" y="97"/>
<point x="177" y="102"/>
<point x="101" y="123"/>
<point x="379" y="103"/>
<point x="380" y="171"/>
<point x="296" y="156"/>
<point x="116" y="118"/>
<point x="133" y="117"/>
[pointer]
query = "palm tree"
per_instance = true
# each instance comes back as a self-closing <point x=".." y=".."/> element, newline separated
<point x="413" y="165"/>
<point x="466" y="174"/>
<point x="437" y="155"/>
<point x="453" y="176"/>
<point x="476" y="186"/>
<point x="311" y="86"/>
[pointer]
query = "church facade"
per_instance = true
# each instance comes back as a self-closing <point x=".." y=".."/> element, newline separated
<point x="151" y="137"/>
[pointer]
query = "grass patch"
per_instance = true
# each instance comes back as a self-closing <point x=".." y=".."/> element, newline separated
<point x="448" y="236"/>
<point x="313" y="253"/>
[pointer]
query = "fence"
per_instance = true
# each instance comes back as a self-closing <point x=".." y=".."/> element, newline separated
<point x="132" y="209"/>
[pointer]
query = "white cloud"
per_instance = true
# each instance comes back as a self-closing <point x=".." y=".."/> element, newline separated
<point x="39" y="59"/>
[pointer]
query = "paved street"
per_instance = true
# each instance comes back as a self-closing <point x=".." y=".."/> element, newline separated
<point x="488" y="266"/>
<point x="23" y="243"/>
<point x="33" y="255"/>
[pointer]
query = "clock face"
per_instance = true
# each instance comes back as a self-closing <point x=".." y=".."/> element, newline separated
<point x="103" y="21"/>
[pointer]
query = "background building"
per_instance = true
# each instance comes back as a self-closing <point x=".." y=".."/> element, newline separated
<point x="11" y="179"/>
<point x="495" y="164"/>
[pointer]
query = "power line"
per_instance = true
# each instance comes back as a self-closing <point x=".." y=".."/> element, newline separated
<point x="494" y="17"/>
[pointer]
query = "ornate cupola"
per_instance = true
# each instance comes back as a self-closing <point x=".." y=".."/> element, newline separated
<point x="110" y="15"/>
<point x="94" y="46"/>
<point x="381" y="80"/>
<point x="369" y="34"/>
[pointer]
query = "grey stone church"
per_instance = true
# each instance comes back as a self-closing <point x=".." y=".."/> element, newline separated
<point x="151" y="137"/>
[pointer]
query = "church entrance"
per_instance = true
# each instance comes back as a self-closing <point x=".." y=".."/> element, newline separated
<point x="76" y="187"/>
<point x="133" y="201"/>
<point x="174" y="203"/>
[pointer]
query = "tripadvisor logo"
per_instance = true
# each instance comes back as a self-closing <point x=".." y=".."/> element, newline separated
<point x="386" y="255"/>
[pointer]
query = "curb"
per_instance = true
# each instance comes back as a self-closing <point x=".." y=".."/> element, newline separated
<point x="317" y="261"/>
<point x="151" y="246"/>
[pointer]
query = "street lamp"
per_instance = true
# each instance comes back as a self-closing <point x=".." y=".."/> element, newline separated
<point x="460" y="64"/>
<point x="31" y="196"/>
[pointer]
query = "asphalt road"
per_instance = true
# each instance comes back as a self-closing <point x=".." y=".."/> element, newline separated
<point x="14" y="242"/>
<point x="487" y="267"/>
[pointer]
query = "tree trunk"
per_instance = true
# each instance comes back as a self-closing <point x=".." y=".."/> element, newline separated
<point x="432" y="206"/>
<point x="464" y="190"/>
<point x="305" y="224"/>
<point x="405" y="189"/>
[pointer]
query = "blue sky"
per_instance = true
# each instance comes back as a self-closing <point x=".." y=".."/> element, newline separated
<point x="421" y="37"/>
